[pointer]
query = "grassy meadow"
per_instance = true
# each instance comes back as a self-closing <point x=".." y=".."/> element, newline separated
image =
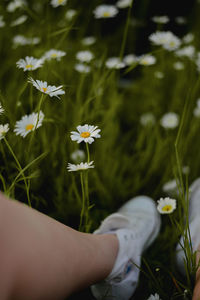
<point x="136" y="154"/>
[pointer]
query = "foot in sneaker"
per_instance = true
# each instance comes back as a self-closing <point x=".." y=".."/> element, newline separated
<point x="136" y="225"/>
<point x="194" y="224"/>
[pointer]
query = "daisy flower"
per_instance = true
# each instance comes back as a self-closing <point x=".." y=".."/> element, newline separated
<point x="160" y="19"/>
<point x="20" y="40"/>
<point x="3" y="130"/>
<point x="56" y="3"/>
<point x="170" y="186"/>
<point x="29" y="63"/>
<point x="2" y="23"/>
<point x="77" y="156"/>
<point x="180" y="20"/>
<point x="1" y="109"/>
<point x="88" y="40"/>
<point x="159" y="74"/>
<point x="114" y="63"/>
<point x="13" y="5"/>
<point x="53" y="54"/>
<point x="186" y="169"/>
<point x="84" y="56"/>
<point x="50" y="90"/>
<point x="147" y="119"/>
<point x="197" y="61"/>
<point x="80" y="167"/>
<point x="166" y="205"/>
<point x="19" y="21"/>
<point x="105" y="11"/>
<point x="178" y="65"/>
<point x="170" y="120"/>
<point x="85" y="133"/>
<point x="28" y="123"/>
<point x="70" y="14"/>
<point x="147" y="60"/>
<point x="188" y="38"/>
<point x="124" y="3"/>
<point x="82" y="68"/>
<point x="154" y="297"/>
<point x="188" y="51"/>
<point x="130" y="59"/>
<point x="166" y="39"/>
<point x="196" y="110"/>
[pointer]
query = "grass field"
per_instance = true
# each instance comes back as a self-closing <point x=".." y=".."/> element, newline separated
<point x="139" y="150"/>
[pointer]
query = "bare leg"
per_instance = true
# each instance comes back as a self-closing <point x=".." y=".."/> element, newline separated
<point x="41" y="258"/>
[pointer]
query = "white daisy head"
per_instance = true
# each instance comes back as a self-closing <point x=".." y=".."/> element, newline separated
<point x="1" y="109"/>
<point x="80" y="167"/>
<point x="196" y="112"/>
<point x="3" y="130"/>
<point x="114" y="63"/>
<point x="78" y="156"/>
<point x="20" y="40"/>
<point x="181" y="20"/>
<point x="166" y="205"/>
<point x="147" y="119"/>
<point x="130" y="59"/>
<point x="188" y="51"/>
<point x="154" y="297"/>
<point x="88" y="40"/>
<point x="169" y="186"/>
<point x="53" y="54"/>
<point x="86" y="133"/>
<point x="84" y="56"/>
<point x="82" y="68"/>
<point x="19" y="21"/>
<point x="2" y="23"/>
<point x="178" y="65"/>
<point x="15" y="4"/>
<point x="188" y="38"/>
<point x="28" y="123"/>
<point x="56" y="3"/>
<point x="29" y="63"/>
<point x="159" y="75"/>
<point x="147" y="60"/>
<point x="169" y="120"/>
<point x="166" y="39"/>
<point x="186" y="170"/>
<point x="70" y="13"/>
<point x="160" y="19"/>
<point x="105" y="11"/>
<point x="50" y="90"/>
<point x="197" y="61"/>
<point x="124" y="3"/>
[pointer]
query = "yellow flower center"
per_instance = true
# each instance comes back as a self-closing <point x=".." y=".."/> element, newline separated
<point x="144" y="62"/>
<point x="29" y="127"/>
<point x="60" y="1"/>
<point x="172" y="44"/>
<point x="106" y="14"/>
<point x="44" y="89"/>
<point x="167" y="208"/>
<point x="53" y="55"/>
<point x="29" y="66"/>
<point x="85" y="134"/>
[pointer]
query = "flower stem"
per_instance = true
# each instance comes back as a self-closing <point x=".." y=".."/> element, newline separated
<point x="88" y="152"/>
<point x="83" y="202"/>
<point x="20" y="168"/>
<point x="125" y="32"/>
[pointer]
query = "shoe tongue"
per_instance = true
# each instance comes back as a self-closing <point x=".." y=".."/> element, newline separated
<point x="113" y="222"/>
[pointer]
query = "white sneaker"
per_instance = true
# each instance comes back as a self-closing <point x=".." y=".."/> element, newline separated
<point x="136" y="224"/>
<point x="194" y="224"/>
